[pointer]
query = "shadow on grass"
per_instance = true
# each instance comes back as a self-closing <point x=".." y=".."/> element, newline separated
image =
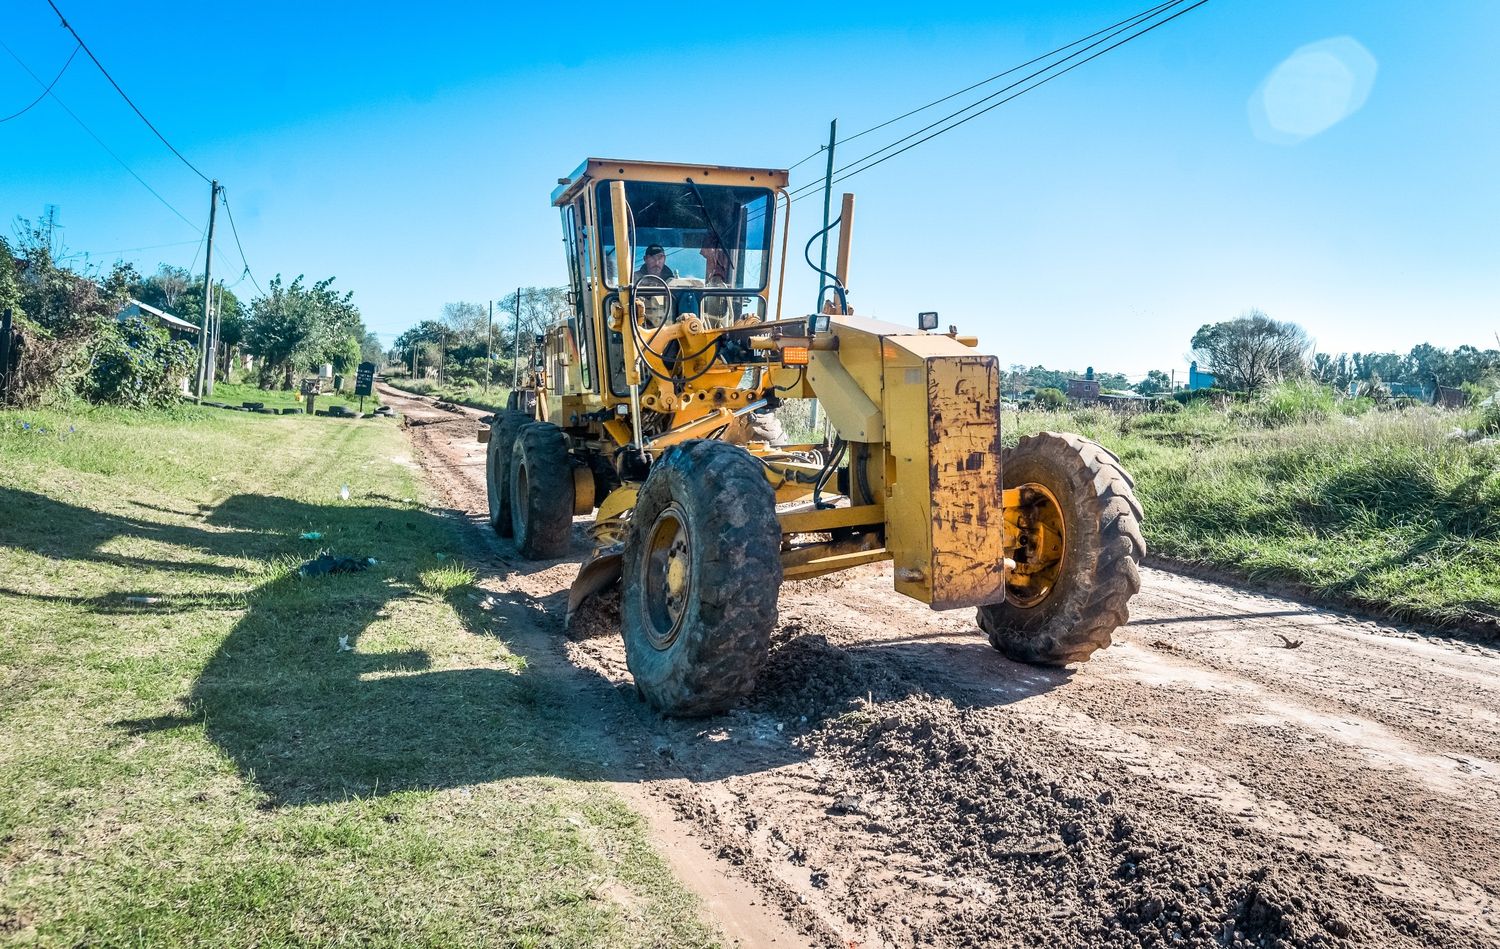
<point x="309" y="717"/>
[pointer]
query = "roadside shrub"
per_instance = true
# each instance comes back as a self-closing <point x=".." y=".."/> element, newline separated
<point x="1485" y="420"/>
<point x="135" y="364"/>
<point x="1050" y="398"/>
<point x="1290" y="403"/>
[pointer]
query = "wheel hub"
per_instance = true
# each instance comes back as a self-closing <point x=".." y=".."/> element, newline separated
<point x="667" y="576"/>
<point x="1042" y="549"/>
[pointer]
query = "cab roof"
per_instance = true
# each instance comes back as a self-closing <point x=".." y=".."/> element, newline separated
<point x="600" y="169"/>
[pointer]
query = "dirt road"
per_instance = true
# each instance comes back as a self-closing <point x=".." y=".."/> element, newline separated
<point x="1237" y="770"/>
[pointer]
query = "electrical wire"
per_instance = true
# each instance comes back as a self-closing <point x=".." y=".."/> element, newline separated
<point x="236" y="232"/>
<point x="69" y="27"/>
<point x="17" y="115"/>
<point x="126" y="250"/>
<point x="1112" y="31"/>
<point x="96" y="138"/>
<point x="845" y="173"/>
<point x="1000" y="75"/>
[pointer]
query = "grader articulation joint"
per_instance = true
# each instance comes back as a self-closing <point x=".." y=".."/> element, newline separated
<point x="652" y="408"/>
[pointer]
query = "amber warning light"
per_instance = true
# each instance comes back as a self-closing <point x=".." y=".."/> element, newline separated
<point x="794" y="355"/>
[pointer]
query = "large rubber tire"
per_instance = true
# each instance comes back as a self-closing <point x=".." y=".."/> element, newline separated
<point x="503" y="431"/>
<point x="701" y="658"/>
<point x="541" y="492"/>
<point x="1102" y="551"/>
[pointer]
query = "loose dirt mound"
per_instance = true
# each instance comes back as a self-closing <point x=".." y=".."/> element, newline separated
<point x="893" y="781"/>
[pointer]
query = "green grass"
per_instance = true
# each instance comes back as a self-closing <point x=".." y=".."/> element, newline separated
<point x="214" y="769"/>
<point x="239" y="392"/>
<point x="1380" y="509"/>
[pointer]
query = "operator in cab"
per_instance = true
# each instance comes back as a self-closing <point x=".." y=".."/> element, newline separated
<point x="653" y="297"/>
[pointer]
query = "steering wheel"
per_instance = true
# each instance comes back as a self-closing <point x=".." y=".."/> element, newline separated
<point x="666" y="288"/>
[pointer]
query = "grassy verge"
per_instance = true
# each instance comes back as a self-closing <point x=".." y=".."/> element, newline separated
<point x="237" y="393"/>
<point x="259" y="758"/>
<point x="471" y="395"/>
<point x="1383" y="510"/>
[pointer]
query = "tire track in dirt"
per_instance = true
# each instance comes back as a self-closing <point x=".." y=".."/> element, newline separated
<point x="894" y="781"/>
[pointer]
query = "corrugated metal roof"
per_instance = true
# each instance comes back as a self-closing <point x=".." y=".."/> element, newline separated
<point x="165" y="317"/>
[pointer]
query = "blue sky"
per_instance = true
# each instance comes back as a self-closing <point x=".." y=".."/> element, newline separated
<point x="409" y="151"/>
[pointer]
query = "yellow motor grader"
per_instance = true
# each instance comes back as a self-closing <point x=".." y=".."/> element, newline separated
<point x="652" y="406"/>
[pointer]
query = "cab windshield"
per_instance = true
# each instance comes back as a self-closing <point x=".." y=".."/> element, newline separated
<point x="691" y="235"/>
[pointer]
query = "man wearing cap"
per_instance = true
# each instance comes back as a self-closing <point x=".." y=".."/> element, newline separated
<point x="655" y="264"/>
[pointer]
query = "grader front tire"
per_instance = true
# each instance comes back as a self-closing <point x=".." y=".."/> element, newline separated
<point x="701" y="572"/>
<point x="1080" y="589"/>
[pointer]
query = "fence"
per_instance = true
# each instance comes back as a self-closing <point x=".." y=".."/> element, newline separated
<point x="9" y="356"/>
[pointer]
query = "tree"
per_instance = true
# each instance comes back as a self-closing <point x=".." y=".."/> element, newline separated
<point x="1050" y="398"/>
<point x="1252" y="352"/>
<point x="165" y="289"/>
<point x="1156" y="381"/>
<point x="295" y="326"/>
<point x="370" y="349"/>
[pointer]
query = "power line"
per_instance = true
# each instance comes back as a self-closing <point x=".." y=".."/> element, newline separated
<point x="69" y="27"/>
<point x="17" y="115"/>
<point x="1128" y="21"/>
<point x="1112" y="32"/>
<point x="994" y="105"/>
<point x="1000" y="75"/>
<point x="96" y="138"/>
<point x="236" y="232"/>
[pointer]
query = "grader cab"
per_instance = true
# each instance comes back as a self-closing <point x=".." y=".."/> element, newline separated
<point x="653" y="409"/>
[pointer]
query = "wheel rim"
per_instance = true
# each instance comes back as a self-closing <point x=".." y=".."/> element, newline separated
<point x="1042" y="553"/>
<point x="666" y="578"/>
<point x="518" y="502"/>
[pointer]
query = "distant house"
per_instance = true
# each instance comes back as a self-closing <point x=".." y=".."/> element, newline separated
<point x="1197" y="379"/>
<point x="1085" y="389"/>
<point x="176" y="326"/>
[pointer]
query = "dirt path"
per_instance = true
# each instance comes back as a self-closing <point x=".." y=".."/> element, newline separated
<point x="894" y="781"/>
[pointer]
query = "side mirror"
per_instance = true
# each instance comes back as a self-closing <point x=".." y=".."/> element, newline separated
<point x="927" y="321"/>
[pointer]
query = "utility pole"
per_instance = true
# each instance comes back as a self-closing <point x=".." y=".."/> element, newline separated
<point x="208" y="287"/>
<point x="213" y="338"/>
<point x="489" y="338"/>
<point x="515" y="362"/>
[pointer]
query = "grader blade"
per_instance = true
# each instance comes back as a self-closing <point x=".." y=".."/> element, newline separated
<point x="600" y="573"/>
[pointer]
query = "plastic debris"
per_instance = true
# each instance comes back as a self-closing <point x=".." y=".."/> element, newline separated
<point x="344" y="493"/>
<point x="344" y="644"/>
<point x="440" y="555"/>
<point x="312" y="535"/>
<point x="371" y="561"/>
<point x="143" y="600"/>
<point x="325" y="564"/>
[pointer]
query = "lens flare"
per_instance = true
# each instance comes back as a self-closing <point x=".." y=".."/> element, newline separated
<point x="1312" y="90"/>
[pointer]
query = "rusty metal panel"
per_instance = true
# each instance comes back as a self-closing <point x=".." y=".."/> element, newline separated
<point x="963" y="402"/>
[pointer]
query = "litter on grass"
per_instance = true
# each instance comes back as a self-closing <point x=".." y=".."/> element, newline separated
<point x="312" y="535"/>
<point x="344" y="493"/>
<point x="344" y="644"/>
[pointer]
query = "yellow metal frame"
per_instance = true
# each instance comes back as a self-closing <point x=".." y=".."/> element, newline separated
<point x="919" y="411"/>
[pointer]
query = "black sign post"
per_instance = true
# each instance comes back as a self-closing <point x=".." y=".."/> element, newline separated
<point x="5" y="356"/>
<point x="364" y="382"/>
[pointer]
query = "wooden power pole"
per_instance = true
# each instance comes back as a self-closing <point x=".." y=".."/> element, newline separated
<point x="208" y="289"/>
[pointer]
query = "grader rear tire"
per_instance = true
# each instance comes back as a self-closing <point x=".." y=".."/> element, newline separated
<point x="701" y="572"/>
<point x="1082" y="583"/>
<point x="541" y="492"/>
<point x="503" y="431"/>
